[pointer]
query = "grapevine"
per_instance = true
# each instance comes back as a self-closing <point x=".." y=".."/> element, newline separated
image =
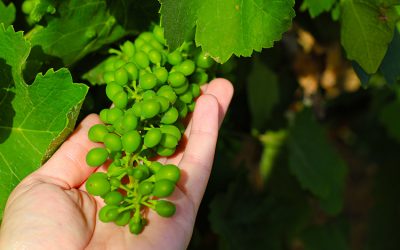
<point x="152" y="91"/>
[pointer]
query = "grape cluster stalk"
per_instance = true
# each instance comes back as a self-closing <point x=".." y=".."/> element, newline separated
<point x="152" y="90"/>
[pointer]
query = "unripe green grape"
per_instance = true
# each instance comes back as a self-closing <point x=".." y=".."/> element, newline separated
<point x="109" y="65"/>
<point x="191" y="106"/>
<point x="182" y="108"/>
<point x="97" y="184"/>
<point x="121" y="76"/>
<point x="112" y="89"/>
<point x="113" y="198"/>
<point x="164" y="88"/>
<point x="119" y="63"/>
<point x="28" y="6"/>
<point x="145" y="170"/>
<point x="159" y="34"/>
<point x="156" y="45"/>
<point x="169" y="141"/>
<point x="148" y="81"/>
<point x="147" y="36"/>
<point x="138" y="174"/>
<point x="129" y="122"/>
<point x="128" y="48"/>
<point x="115" y="182"/>
<point x="204" y="61"/>
<point x="154" y="56"/>
<point x="174" y="58"/>
<point x="182" y="89"/>
<point x="96" y="157"/>
<point x="161" y="74"/>
<point x="152" y="138"/>
<point x="120" y="99"/>
<point x="131" y="141"/>
<point x="168" y="172"/>
<point x="186" y="67"/>
<point x="103" y="115"/>
<point x="123" y="218"/>
<point x="200" y="77"/>
<point x="163" y="188"/>
<point x="147" y="48"/>
<point x="145" y="188"/>
<point x="172" y="130"/>
<point x="139" y="42"/>
<point x="148" y="94"/>
<point x="150" y="108"/>
<point x="187" y="97"/>
<point x="113" y="142"/>
<point x="137" y="109"/>
<point x="132" y="70"/>
<point x="165" y="208"/>
<point x="114" y="114"/>
<point x="170" y="117"/>
<point x="163" y="151"/>
<point x="108" y="213"/>
<point x="176" y="79"/>
<point x="195" y="89"/>
<point x="164" y="103"/>
<point x="97" y="132"/>
<point x="155" y="166"/>
<point x="109" y="77"/>
<point x="118" y="125"/>
<point x="141" y="59"/>
<point x="135" y="228"/>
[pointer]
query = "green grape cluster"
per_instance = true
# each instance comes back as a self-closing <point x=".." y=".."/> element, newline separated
<point x="152" y="91"/>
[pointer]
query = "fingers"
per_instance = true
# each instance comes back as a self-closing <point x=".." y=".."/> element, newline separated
<point x="222" y="90"/>
<point x="68" y="164"/>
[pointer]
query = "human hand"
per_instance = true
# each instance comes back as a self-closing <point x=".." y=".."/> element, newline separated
<point x="50" y="208"/>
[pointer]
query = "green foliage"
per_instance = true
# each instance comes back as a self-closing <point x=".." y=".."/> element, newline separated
<point x="7" y="13"/>
<point x="315" y="163"/>
<point x="36" y="118"/>
<point x="367" y="30"/>
<point x="244" y="27"/>
<point x="317" y="7"/>
<point x="327" y="237"/>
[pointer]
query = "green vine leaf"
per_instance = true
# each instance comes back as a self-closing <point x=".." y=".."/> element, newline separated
<point x="244" y="26"/>
<point x="35" y="119"/>
<point x="367" y="30"/>
<point x="314" y="162"/>
<point x="7" y="13"/>
<point x="317" y="7"/>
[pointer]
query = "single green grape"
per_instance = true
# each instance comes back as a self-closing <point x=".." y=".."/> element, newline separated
<point x="174" y="58"/>
<point x="200" y="77"/>
<point x="113" y="142"/>
<point x="172" y="130"/>
<point x="187" y="97"/>
<point x="121" y="76"/>
<point x="27" y="6"/>
<point x="141" y="59"/>
<point x="147" y="36"/>
<point x="155" y="56"/>
<point x="128" y="48"/>
<point x="159" y="34"/>
<point x="138" y="174"/>
<point x="168" y="172"/>
<point x="182" y="108"/>
<point x="115" y="182"/>
<point x="169" y="141"/>
<point x="156" y="45"/>
<point x="195" y="89"/>
<point x="113" y="198"/>
<point x="96" y="157"/>
<point x="163" y="188"/>
<point x="150" y="108"/>
<point x="109" y="76"/>
<point x="114" y="114"/>
<point x="152" y="137"/>
<point x="132" y="70"/>
<point x="112" y="89"/>
<point x="129" y="122"/>
<point x="165" y="208"/>
<point x="135" y="228"/>
<point x="145" y="188"/>
<point x="186" y="67"/>
<point x="176" y="79"/>
<point x="139" y="42"/>
<point x="191" y="106"/>
<point x="161" y="74"/>
<point x="119" y="63"/>
<point x="137" y="109"/>
<point x="98" y="184"/>
<point x="164" y="103"/>
<point x="182" y="89"/>
<point x="148" y="94"/>
<point x="163" y="151"/>
<point x="108" y="213"/>
<point x="204" y="61"/>
<point x="97" y="132"/>
<point x="123" y="218"/>
<point x="120" y="99"/>
<point x="155" y="166"/>
<point x="170" y="117"/>
<point x="131" y="141"/>
<point x="103" y="115"/>
<point x="148" y="81"/>
<point x="147" y="48"/>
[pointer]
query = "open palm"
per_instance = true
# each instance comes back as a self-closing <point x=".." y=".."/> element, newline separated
<point x="50" y="209"/>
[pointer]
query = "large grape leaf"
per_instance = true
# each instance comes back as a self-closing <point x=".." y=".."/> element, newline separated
<point x="35" y="119"/>
<point x="315" y="163"/>
<point x="226" y="27"/>
<point x="79" y="28"/>
<point x="367" y="29"/>
<point x="316" y="7"/>
<point x="7" y="13"/>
